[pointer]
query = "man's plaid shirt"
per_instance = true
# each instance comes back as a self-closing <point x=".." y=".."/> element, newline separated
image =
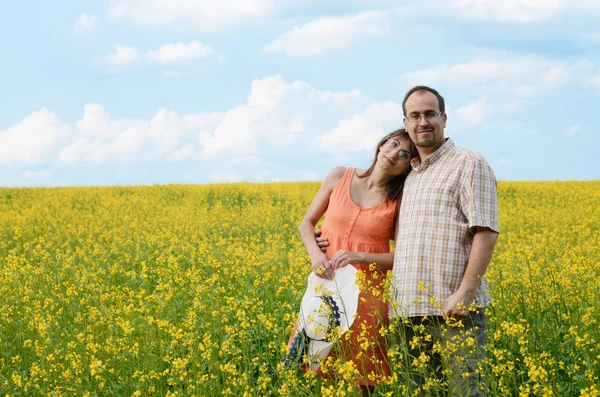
<point x="444" y="198"/>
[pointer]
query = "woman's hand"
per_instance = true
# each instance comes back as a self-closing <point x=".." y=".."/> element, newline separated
<point x="343" y="258"/>
<point x="321" y="265"/>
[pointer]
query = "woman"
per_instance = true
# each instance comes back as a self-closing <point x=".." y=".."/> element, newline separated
<point x="362" y="208"/>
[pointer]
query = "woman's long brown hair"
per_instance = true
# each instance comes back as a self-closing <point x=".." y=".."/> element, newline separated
<point x="393" y="190"/>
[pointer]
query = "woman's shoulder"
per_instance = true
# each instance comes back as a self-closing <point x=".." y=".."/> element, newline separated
<point x="337" y="172"/>
<point x="335" y="176"/>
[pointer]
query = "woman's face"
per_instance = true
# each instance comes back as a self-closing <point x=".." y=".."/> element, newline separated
<point x="394" y="155"/>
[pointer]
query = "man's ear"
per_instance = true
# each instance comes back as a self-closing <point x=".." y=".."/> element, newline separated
<point x="444" y="118"/>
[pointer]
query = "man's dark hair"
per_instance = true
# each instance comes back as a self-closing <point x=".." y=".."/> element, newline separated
<point x="424" y="88"/>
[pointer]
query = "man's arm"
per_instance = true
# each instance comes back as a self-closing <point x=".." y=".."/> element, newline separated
<point x="479" y="203"/>
<point x="343" y="258"/>
<point x="484" y="241"/>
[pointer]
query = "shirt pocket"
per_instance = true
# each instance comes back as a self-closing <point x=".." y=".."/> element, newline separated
<point x="436" y="201"/>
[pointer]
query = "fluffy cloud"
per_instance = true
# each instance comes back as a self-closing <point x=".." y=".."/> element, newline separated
<point x="558" y="75"/>
<point x="208" y="15"/>
<point x="121" y="55"/>
<point x="516" y="11"/>
<point x="329" y="33"/>
<point x="32" y="140"/>
<point x="276" y="117"/>
<point x="85" y="24"/>
<point x="167" y="54"/>
<point x="522" y="11"/>
<point x="186" y="152"/>
<point x="224" y="14"/>
<point x="477" y="71"/>
<point x="277" y="113"/>
<point x="98" y="137"/>
<point x="521" y="76"/>
<point x="363" y="130"/>
<point x="524" y="90"/>
<point x="179" y="52"/>
<point x="474" y="112"/>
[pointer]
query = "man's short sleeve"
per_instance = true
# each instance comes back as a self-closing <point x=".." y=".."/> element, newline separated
<point x="479" y="199"/>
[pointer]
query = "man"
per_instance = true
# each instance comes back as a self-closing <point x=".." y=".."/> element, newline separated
<point x="448" y="225"/>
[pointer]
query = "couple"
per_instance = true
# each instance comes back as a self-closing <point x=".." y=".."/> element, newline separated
<point x="438" y="202"/>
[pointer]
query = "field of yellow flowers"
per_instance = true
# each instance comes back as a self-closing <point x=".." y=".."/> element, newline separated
<point x="194" y="290"/>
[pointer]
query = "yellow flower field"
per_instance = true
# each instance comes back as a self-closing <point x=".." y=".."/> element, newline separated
<point x="194" y="290"/>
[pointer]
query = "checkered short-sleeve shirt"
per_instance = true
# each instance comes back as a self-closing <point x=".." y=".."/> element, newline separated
<point x="444" y="197"/>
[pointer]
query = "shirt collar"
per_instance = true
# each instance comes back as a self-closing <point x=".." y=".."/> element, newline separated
<point x="447" y="146"/>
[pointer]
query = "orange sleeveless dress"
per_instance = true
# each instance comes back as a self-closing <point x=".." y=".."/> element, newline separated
<point x="352" y="228"/>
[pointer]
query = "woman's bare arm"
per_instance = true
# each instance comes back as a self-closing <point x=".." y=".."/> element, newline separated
<point x="320" y="263"/>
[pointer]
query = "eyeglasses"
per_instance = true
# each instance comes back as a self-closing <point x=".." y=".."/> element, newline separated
<point x="395" y="145"/>
<point x="429" y="115"/>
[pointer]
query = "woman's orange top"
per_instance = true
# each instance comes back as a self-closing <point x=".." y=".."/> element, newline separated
<point x="350" y="227"/>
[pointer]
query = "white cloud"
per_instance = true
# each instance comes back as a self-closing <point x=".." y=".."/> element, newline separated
<point x="248" y="160"/>
<point x="121" y="55"/>
<point x="95" y="119"/>
<point x="474" y="112"/>
<point x="295" y="127"/>
<point x="558" y="75"/>
<point x="525" y="90"/>
<point x="514" y="11"/>
<point x="329" y="33"/>
<point x="208" y="15"/>
<point x="165" y="130"/>
<point x="30" y="142"/>
<point x="363" y="130"/>
<point x="477" y="71"/>
<point x="573" y="129"/>
<point x="99" y="137"/>
<point x="596" y="81"/>
<point x="179" y="52"/>
<point x="186" y="152"/>
<point x="85" y="24"/>
<point x="167" y="54"/>
<point x="521" y="11"/>
<point x="276" y="114"/>
<point x="510" y="75"/>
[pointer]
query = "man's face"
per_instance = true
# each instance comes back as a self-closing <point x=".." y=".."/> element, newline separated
<point x="427" y="131"/>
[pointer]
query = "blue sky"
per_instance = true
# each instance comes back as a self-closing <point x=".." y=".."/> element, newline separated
<point x="127" y="92"/>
